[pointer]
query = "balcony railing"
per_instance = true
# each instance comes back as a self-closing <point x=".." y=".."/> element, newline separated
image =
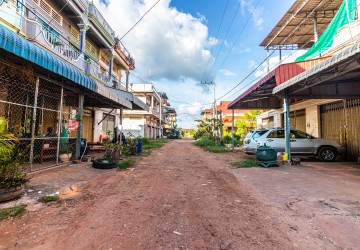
<point x="95" y="13"/>
<point x="94" y="69"/>
<point x="60" y="46"/>
<point x="123" y="51"/>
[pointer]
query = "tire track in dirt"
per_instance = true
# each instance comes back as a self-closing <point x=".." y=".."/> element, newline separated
<point x="179" y="197"/>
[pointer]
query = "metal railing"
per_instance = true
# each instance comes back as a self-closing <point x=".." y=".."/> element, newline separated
<point x="60" y="46"/>
<point x="96" y="13"/>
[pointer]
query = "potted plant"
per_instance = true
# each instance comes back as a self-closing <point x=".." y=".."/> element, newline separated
<point x="110" y="157"/>
<point x="64" y="155"/>
<point x="12" y="174"/>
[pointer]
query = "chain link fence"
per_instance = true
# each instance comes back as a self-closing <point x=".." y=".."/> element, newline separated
<point x="41" y="114"/>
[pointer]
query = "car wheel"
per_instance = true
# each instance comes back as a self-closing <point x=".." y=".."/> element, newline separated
<point x="327" y="154"/>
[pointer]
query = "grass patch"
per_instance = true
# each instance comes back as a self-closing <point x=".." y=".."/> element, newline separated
<point x="248" y="163"/>
<point x="153" y="143"/>
<point x="7" y="213"/>
<point x="217" y="149"/>
<point x="209" y="145"/>
<point x="124" y="164"/>
<point x="49" y="198"/>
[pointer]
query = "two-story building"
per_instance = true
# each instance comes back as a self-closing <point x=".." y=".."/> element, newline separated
<point x="145" y="123"/>
<point x="60" y="70"/>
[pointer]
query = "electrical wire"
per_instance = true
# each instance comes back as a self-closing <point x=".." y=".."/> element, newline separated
<point x="139" y="20"/>
<point x="216" y="37"/>
<point x="238" y="38"/>
<point x="227" y="32"/>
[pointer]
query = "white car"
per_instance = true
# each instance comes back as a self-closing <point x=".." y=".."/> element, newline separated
<point x="301" y="143"/>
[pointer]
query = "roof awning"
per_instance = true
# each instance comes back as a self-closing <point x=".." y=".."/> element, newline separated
<point x="137" y="104"/>
<point x="260" y="96"/>
<point x="98" y="95"/>
<point x="296" y="27"/>
<point x="337" y="77"/>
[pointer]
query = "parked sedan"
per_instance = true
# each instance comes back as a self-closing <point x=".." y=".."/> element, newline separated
<point x="301" y="143"/>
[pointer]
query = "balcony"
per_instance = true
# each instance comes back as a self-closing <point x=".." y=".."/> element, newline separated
<point x="99" y="21"/>
<point x="155" y="113"/>
<point x="48" y="38"/>
<point x="93" y="69"/>
<point x="124" y="54"/>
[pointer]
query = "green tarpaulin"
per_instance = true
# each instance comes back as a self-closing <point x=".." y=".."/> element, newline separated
<point x="345" y="15"/>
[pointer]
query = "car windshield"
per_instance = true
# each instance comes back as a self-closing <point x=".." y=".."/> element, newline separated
<point x="249" y="134"/>
<point x="259" y="133"/>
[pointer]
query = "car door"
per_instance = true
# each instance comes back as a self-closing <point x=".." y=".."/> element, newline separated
<point x="301" y="143"/>
<point x="276" y="139"/>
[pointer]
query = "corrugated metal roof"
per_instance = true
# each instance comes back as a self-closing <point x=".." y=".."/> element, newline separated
<point x="333" y="62"/>
<point x="297" y="25"/>
<point x="264" y="87"/>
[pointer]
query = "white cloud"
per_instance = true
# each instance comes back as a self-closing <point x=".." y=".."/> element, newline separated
<point x="227" y="73"/>
<point x="256" y="11"/>
<point x="168" y="43"/>
<point x="251" y="64"/>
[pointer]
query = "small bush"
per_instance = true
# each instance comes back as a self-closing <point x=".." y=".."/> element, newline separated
<point x="124" y="164"/>
<point x="7" y="213"/>
<point x="216" y="149"/>
<point x="146" y="140"/>
<point x="49" y="198"/>
<point x="204" y="142"/>
<point x="248" y="163"/>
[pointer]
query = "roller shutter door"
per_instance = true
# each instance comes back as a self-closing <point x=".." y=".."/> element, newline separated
<point x="340" y="121"/>
<point x="298" y="120"/>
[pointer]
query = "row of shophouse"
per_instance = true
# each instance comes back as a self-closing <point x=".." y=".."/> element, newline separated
<point x="61" y="67"/>
<point x="320" y="92"/>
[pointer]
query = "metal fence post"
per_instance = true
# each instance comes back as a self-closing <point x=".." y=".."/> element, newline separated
<point x="287" y="126"/>
<point x="232" y="131"/>
<point x="33" y="120"/>
<point x="59" y="124"/>
<point x="79" y="133"/>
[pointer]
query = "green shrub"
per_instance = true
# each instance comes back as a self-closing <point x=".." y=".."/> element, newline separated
<point x="146" y="140"/>
<point x="216" y="149"/>
<point x="227" y="139"/>
<point x="248" y="163"/>
<point x="7" y="213"/>
<point x="124" y="164"/>
<point x="204" y="142"/>
<point x="49" y="198"/>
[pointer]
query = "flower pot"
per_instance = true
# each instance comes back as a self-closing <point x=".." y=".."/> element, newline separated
<point x="65" y="157"/>
<point x="7" y="194"/>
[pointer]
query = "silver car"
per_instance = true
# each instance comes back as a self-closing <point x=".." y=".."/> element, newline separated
<point x="301" y="143"/>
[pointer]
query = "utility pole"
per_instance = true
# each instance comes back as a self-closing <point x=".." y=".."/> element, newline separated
<point x="214" y="108"/>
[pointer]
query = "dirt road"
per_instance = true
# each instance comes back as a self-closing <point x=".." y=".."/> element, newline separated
<point x="179" y="197"/>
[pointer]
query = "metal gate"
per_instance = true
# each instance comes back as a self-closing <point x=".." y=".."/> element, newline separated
<point x="298" y="120"/>
<point x="340" y="121"/>
<point x="37" y="113"/>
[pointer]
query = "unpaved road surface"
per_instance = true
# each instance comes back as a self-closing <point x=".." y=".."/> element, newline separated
<point x="179" y="197"/>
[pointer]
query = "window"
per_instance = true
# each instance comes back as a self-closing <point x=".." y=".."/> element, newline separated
<point x="277" y="134"/>
<point x="108" y="124"/>
<point x="49" y="10"/>
<point x="259" y="133"/>
<point x="91" y="48"/>
<point x="75" y="33"/>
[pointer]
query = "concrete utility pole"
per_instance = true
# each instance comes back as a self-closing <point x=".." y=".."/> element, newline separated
<point x="214" y="108"/>
<point x="232" y="131"/>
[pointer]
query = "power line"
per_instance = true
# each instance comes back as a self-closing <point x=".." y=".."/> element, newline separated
<point x="227" y="32"/>
<point x="139" y="20"/>
<point x="238" y="38"/>
<point x="216" y="37"/>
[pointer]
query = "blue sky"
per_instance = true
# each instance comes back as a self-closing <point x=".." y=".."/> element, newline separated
<point x="178" y="44"/>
